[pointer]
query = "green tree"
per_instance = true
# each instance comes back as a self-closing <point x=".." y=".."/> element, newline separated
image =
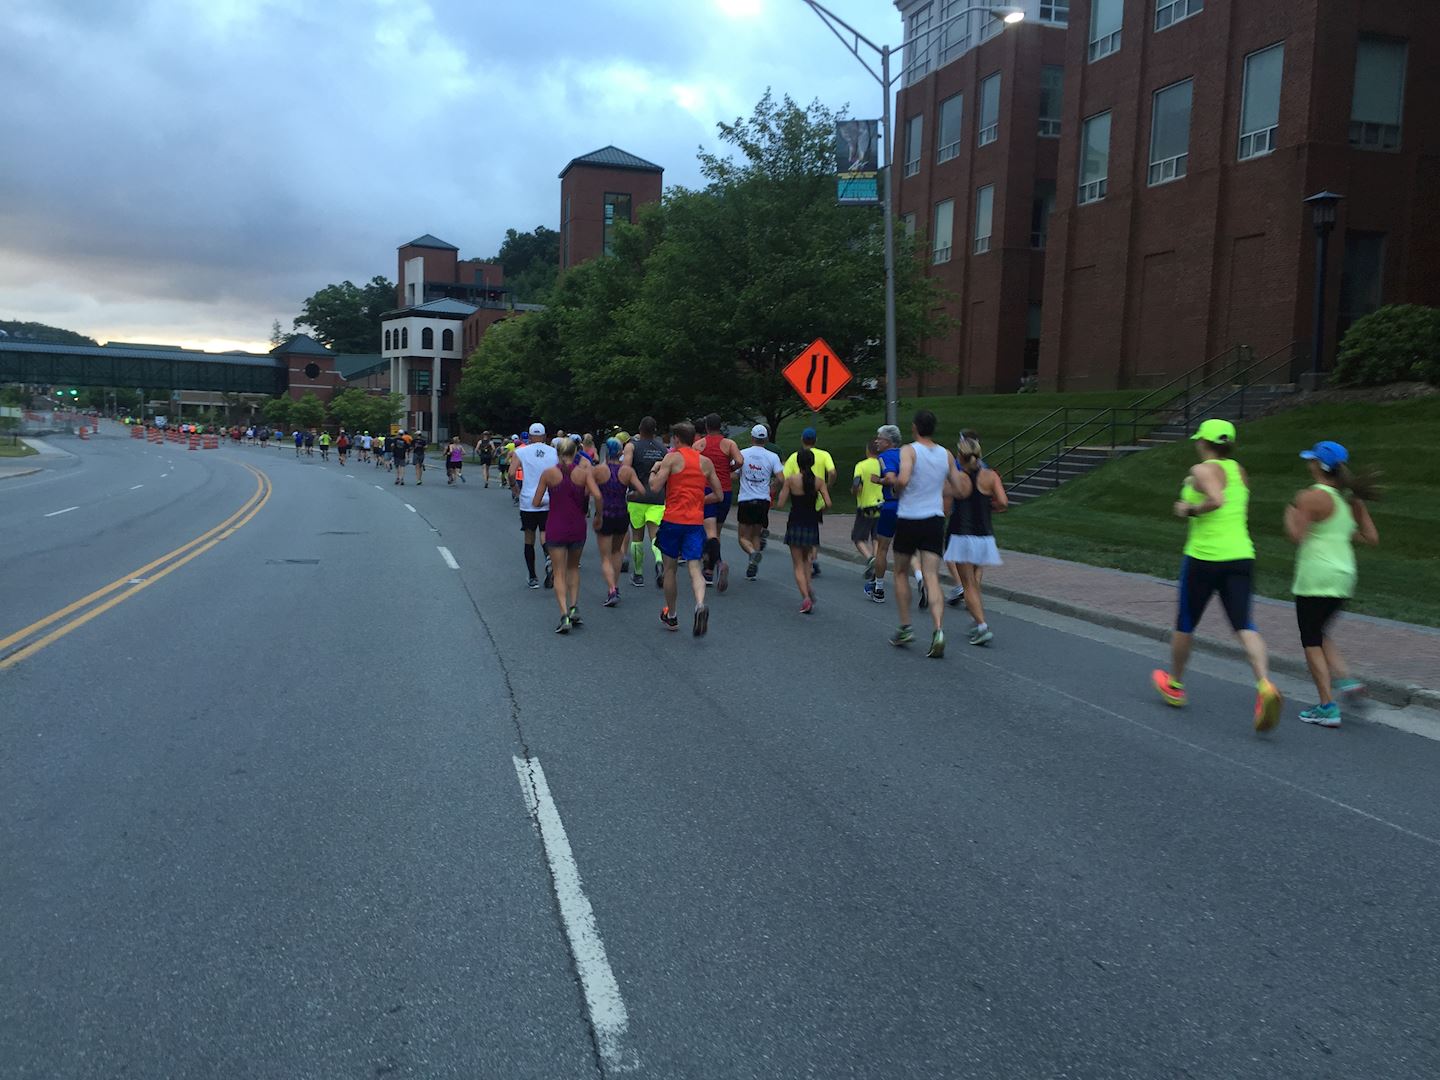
<point x="531" y="261"/>
<point x="278" y="336"/>
<point x="1395" y="343"/>
<point x="16" y="396"/>
<point x="351" y="409"/>
<point x="381" y="411"/>
<point x="308" y="412"/>
<point x="346" y="317"/>
<point x="45" y="335"/>
<point x="515" y="375"/>
<point x="277" y="411"/>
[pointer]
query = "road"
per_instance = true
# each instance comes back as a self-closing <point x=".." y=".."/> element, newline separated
<point x="316" y="804"/>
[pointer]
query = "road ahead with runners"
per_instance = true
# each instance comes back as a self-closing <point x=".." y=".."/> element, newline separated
<point x="310" y="789"/>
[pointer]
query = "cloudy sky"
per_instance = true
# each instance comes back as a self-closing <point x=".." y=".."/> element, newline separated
<point x="185" y="171"/>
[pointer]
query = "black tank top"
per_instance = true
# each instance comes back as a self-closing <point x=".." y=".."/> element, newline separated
<point x="802" y="509"/>
<point x="971" y="515"/>
<point x="648" y="453"/>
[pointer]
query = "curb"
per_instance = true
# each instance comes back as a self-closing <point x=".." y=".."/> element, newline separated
<point x="17" y="475"/>
<point x="1389" y="691"/>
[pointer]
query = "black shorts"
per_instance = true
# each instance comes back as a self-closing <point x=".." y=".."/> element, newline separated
<point x="1201" y="579"/>
<point x="534" y="520"/>
<point x="614" y="526"/>
<point x="753" y="512"/>
<point x="865" y="522"/>
<point x="1313" y="614"/>
<point x="919" y="534"/>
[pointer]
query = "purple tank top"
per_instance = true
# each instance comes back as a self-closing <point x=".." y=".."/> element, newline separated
<point x="566" y="523"/>
<point x="612" y="494"/>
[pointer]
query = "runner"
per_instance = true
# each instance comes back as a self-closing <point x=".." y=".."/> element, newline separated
<point x="1219" y="558"/>
<point x="868" y="497"/>
<point x="802" y="530"/>
<point x="683" y="477"/>
<point x="609" y="485"/>
<point x="725" y="456"/>
<point x="956" y="594"/>
<point x="971" y="544"/>
<point x="760" y="476"/>
<point x="310" y="443"/>
<point x="417" y="454"/>
<point x="1326" y="519"/>
<point x="397" y="448"/>
<point x="562" y="487"/>
<point x="926" y="473"/>
<point x="824" y="470"/>
<point x="485" y="450"/>
<point x="887" y="443"/>
<point x="299" y="441"/>
<point x="532" y="458"/>
<point x="647" y="509"/>
<point x="342" y="445"/>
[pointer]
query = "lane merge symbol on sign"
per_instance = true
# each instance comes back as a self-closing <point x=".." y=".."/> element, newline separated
<point x="817" y="374"/>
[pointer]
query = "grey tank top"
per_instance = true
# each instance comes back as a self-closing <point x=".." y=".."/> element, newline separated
<point x="648" y="453"/>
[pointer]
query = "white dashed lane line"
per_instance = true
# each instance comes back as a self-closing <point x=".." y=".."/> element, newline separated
<point x="57" y="513"/>
<point x="411" y="508"/>
<point x="449" y="559"/>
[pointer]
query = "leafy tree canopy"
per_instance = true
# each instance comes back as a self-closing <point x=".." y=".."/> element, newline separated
<point x="346" y="317"/>
<point x="46" y="335"/>
<point x="531" y="261"/>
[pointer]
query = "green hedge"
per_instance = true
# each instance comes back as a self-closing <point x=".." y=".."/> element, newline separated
<point x="1399" y="343"/>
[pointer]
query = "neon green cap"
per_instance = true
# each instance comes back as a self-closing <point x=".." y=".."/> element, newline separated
<point x="1215" y="431"/>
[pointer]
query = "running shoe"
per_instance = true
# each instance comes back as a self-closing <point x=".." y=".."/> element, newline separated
<point x="668" y="619"/>
<point x="1268" y="702"/>
<point x="549" y="576"/>
<point x="575" y="619"/>
<point x="702" y="620"/>
<point x="981" y="637"/>
<point x="1327" y="716"/>
<point x="924" y="595"/>
<point x="956" y="596"/>
<point x="814" y="567"/>
<point x="870" y="589"/>
<point x="1348" y="687"/>
<point x="709" y="576"/>
<point x="722" y="576"/>
<point x="612" y="598"/>
<point x="564" y="626"/>
<point x="807" y="606"/>
<point x="1172" y="691"/>
<point x="902" y="636"/>
<point x="534" y="583"/>
<point x="753" y="568"/>
<point x="878" y="593"/>
<point x="937" y="645"/>
<point x="638" y="580"/>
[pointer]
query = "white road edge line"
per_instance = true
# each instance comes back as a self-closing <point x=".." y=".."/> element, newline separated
<point x="378" y="487"/>
<point x="608" y="1016"/>
<point x="57" y="513"/>
<point x="137" y="487"/>
<point x="411" y="508"/>
<point x="449" y="559"/>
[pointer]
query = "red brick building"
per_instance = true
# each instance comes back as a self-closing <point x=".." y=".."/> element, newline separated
<point x="596" y="191"/>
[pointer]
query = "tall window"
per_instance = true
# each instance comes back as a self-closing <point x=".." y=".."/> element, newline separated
<point x="952" y="109"/>
<point x="1095" y="159"/>
<point x="954" y="38"/>
<point x="984" y="218"/>
<point x="617" y="208"/>
<point x="989" y="110"/>
<point x="1379" y="96"/>
<point x="1055" y="11"/>
<point x="1260" y="101"/>
<point x="913" y="128"/>
<point x="1170" y="133"/>
<point x="447" y="340"/>
<point x="404" y="337"/>
<point x="917" y="52"/>
<point x="1105" y="19"/>
<point x="387" y="340"/>
<point x="1052" y="93"/>
<point x="907" y="223"/>
<point x="1169" y="12"/>
<point x="427" y="338"/>
<point x="1362" y="279"/>
<point x="944" y="230"/>
<point x="1042" y="205"/>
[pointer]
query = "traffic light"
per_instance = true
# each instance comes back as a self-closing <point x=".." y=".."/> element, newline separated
<point x="74" y="393"/>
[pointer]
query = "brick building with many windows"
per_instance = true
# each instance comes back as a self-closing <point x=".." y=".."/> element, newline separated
<point x="597" y="190"/>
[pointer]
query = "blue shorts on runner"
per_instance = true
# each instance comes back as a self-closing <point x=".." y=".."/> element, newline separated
<point x="885" y="525"/>
<point x="677" y="541"/>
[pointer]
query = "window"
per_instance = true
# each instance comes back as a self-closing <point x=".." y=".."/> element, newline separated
<point x="565" y="234"/>
<point x="1260" y="101"/>
<point x="1041" y="207"/>
<point x="1379" y="94"/>
<point x="907" y="225"/>
<point x="617" y="208"/>
<point x="404" y="337"/>
<point x="1055" y="11"/>
<point x="1362" y="277"/>
<point x="427" y="338"/>
<point x="944" y="227"/>
<point x="1052" y="91"/>
<point x="989" y="110"/>
<point x="1094" y="159"/>
<point x="1034" y="321"/>
<point x="1170" y="133"/>
<point x="952" y="109"/>
<point x="913" y="128"/>
<point x="1169" y="12"/>
<point x="1105" y="18"/>
<point x="917" y="49"/>
<point x="410" y="294"/>
<point x="954" y="38"/>
<point x="387" y="340"/>
<point x="447" y="340"/>
<point x="984" y="218"/>
<point x="419" y="380"/>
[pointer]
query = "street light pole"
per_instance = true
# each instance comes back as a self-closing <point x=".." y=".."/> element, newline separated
<point x="843" y="30"/>
<point x="1322" y="207"/>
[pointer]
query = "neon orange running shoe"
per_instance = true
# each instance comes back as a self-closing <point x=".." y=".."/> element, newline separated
<point x="1268" y="703"/>
<point x="1171" y="691"/>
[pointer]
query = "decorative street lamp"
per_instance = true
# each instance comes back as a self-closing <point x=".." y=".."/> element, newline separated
<point x="1322" y="216"/>
<point x="852" y="39"/>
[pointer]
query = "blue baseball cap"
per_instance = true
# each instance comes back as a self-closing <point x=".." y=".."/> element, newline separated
<point x="1328" y="454"/>
<point x="808" y="435"/>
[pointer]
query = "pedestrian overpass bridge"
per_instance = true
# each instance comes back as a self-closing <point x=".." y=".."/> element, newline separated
<point x="142" y="367"/>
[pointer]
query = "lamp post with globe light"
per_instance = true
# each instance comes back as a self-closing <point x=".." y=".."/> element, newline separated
<point x="852" y="39"/>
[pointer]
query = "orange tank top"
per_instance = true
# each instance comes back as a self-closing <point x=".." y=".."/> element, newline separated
<point x="685" y="491"/>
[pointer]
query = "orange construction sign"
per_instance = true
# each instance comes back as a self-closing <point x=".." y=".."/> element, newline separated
<point x="817" y="374"/>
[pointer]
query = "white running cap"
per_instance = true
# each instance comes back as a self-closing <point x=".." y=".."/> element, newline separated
<point x="758" y="432"/>
<point x="537" y="428"/>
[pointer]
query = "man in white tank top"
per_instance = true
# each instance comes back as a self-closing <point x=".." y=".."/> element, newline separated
<point x="926" y="474"/>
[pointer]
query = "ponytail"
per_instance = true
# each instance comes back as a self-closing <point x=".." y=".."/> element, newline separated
<point x="1362" y="484"/>
<point x="806" y="462"/>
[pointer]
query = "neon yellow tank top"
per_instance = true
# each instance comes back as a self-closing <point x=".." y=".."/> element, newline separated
<point x="1222" y="535"/>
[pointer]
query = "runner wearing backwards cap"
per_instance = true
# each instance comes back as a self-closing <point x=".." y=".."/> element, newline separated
<point x="760" y="474"/>
<point x="683" y="478"/>
<point x="532" y="459"/>
<point x="1325" y="519"/>
<point x="1219" y="558"/>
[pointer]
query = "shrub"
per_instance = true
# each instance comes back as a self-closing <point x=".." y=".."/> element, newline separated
<point x="1394" y="344"/>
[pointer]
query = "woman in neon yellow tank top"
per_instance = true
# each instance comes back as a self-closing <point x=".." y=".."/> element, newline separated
<point x="1219" y="559"/>
<point x="1326" y="519"/>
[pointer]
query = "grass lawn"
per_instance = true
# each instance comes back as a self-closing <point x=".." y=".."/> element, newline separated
<point x="1120" y="517"/>
<point x="996" y="417"/>
<point x="16" y="450"/>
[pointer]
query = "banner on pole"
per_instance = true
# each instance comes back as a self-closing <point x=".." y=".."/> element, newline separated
<point x="857" y="162"/>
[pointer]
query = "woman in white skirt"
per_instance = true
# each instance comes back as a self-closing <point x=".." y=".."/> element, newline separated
<point x="971" y="543"/>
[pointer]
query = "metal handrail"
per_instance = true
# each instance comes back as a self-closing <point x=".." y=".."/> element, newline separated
<point x="1186" y="377"/>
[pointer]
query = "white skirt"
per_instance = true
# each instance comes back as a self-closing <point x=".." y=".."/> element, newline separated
<point x="976" y="550"/>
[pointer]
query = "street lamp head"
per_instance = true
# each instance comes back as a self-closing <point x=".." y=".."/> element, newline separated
<point x="1011" y="15"/>
<point x="1322" y="208"/>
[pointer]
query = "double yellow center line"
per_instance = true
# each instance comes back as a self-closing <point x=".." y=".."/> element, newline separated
<point x="73" y="616"/>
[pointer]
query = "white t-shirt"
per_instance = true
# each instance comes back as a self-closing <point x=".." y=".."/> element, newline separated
<point x="534" y="458"/>
<point x="924" y="495"/>
<point x="760" y="465"/>
<point x="366" y="442"/>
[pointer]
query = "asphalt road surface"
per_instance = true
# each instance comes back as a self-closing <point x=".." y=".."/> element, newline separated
<point x="313" y="797"/>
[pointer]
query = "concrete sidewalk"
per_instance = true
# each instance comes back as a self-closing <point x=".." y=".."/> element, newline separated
<point x="1399" y="661"/>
